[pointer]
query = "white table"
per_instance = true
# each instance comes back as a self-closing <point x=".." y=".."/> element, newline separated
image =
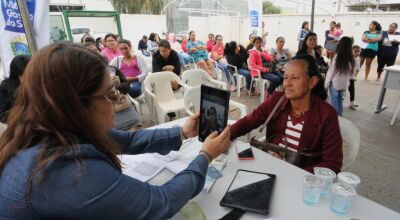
<point x="391" y="81"/>
<point x="286" y="201"/>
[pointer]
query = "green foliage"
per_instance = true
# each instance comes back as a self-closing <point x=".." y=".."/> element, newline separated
<point x="269" y="8"/>
<point x="138" y="6"/>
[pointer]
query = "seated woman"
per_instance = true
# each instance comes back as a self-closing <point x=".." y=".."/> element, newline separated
<point x="183" y="56"/>
<point x="198" y="51"/>
<point x="281" y="55"/>
<point x="9" y="86"/>
<point x="217" y="54"/>
<point x="308" y="47"/>
<point x="152" y="43"/>
<point x="304" y="119"/>
<point x="237" y="55"/>
<point x="111" y="49"/>
<point x="257" y="59"/>
<point x="59" y="157"/>
<point x="132" y="66"/>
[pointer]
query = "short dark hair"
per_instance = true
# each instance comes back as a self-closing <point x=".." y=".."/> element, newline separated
<point x="111" y="35"/>
<point x="125" y="41"/>
<point x="152" y="37"/>
<point x="257" y="39"/>
<point x="304" y="24"/>
<point x="278" y="38"/>
<point x="89" y="39"/>
<point x="165" y="44"/>
<point x="144" y="37"/>
<point x="394" y="23"/>
<point x="356" y="47"/>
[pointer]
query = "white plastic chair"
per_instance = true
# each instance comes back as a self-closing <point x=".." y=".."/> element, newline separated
<point x="351" y="138"/>
<point x="158" y="87"/>
<point x="239" y="79"/>
<point x="197" y="77"/>
<point x="264" y="83"/>
<point x="191" y="100"/>
<point x="149" y="62"/>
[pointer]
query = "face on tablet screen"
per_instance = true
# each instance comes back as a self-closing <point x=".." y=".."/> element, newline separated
<point x="213" y="112"/>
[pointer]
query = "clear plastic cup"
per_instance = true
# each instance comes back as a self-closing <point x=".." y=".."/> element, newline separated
<point x="349" y="179"/>
<point x="328" y="176"/>
<point x="312" y="186"/>
<point x="342" y="195"/>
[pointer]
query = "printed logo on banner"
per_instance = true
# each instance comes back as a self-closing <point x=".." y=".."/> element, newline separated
<point x="19" y="46"/>
<point x="12" y="16"/>
<point x="254" y="18"/>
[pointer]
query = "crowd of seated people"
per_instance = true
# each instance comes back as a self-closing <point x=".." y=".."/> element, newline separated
<point x="61" y="110"/>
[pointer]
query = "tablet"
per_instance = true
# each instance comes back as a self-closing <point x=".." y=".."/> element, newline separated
<point x="214" y="107"/>
<point x="250" y="191"/>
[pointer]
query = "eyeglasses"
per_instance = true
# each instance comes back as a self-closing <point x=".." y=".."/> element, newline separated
<point x="114" y="97"/>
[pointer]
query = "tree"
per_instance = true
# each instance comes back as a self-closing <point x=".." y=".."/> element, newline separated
<point x="269" y="8"/>
<point x="138" y="6"/>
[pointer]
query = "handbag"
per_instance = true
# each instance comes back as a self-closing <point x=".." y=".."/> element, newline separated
<point x="288" y="155"/>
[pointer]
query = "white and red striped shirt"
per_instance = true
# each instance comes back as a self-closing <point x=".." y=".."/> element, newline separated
<point x="293" y="133"/>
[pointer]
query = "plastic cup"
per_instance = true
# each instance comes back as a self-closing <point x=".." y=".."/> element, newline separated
<point x="342" y="195"/>
<point x="349" y="179"/>
<point x="312" y="186"/>
<point x="328" y="176"/>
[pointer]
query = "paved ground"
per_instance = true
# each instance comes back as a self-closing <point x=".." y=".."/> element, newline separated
<point x="378" y="161"/>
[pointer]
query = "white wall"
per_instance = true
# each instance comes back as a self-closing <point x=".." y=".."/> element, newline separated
<point x="135" y="26"/>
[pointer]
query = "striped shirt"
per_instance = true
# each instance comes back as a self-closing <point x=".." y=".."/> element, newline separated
<point x="293" y="133"/>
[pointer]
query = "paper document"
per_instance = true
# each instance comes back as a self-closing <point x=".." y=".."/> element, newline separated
<point x="142" y="167"/>
<point x="393" y="37"/>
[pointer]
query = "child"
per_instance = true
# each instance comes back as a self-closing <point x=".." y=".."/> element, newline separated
<point x="353" y="77"/>
<point x="338" y="75"/>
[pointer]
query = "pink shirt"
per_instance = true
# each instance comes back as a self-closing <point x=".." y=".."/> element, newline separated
<point x="218" y="49"/>
<point x="109" y="54"/>
<point x="210" y="45"/>
<point x="130" y="70"/>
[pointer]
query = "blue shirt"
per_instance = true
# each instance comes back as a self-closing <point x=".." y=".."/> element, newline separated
<point x="95" y="189"/>
<point x="199" y="54"/>
<point x="372" y="46"/>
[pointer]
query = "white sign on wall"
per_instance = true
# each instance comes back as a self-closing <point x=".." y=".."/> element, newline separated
<point x="255" y="15"/>
<point x="12" y="33"/>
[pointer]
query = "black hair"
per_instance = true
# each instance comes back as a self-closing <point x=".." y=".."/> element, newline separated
<point x="208" y="35"/>
<point x="165" y="44"/>
<point x="89" y="39"/>
<point x="111" y="35"/>
<point x="355" y="46"/>
<point x="394" y="23"/>
<point x="17" y="68"/>
<point x="152" y="37"/>
<point x="278" y="38"/>
<point x="230" y="48"/>
<point x="344" y="55"/>
<point x="125" y="41"/>
<point x="378" y="26"/>
<point x="190" y="32"/>
<point x="303" y="49"/>
<point x="312" y="70"/>
<point x="251" y="35"/>
<point x="217" y="36"/>
<point x="304" y="24"/>
<point x="257" y="39"/>
<point x="333" y="22"/>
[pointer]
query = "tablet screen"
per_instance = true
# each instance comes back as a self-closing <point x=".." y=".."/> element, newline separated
<point x="250" y="191"/>
<point x="214" y="106"/>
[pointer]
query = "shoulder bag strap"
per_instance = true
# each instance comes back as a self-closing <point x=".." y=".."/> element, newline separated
<point x="272" y="113"/>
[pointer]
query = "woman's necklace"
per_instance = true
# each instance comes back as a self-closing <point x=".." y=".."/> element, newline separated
<point x="298" y="114"/>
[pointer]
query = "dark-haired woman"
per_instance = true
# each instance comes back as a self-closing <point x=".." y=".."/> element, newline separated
<point x="338" y="76"/>
<point x="132" y="66"/>
<point x="372" y="38"/>
<point x="388" y="49"/>
<point x="308" y="48"/>
<point x="281" y="55"/>
<point x="304" y="119"/>
<point x="305" y="28"/>
<point x="111" y="49"/>
<point x="58" y="156"/>
<point x="152" y="43"/>
<point x="237" y="55"/>
<point x="9" y="86"/>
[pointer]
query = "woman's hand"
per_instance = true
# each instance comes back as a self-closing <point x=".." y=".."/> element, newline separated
<point x="216" y="144"/>
<point x="191" y="127"/>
